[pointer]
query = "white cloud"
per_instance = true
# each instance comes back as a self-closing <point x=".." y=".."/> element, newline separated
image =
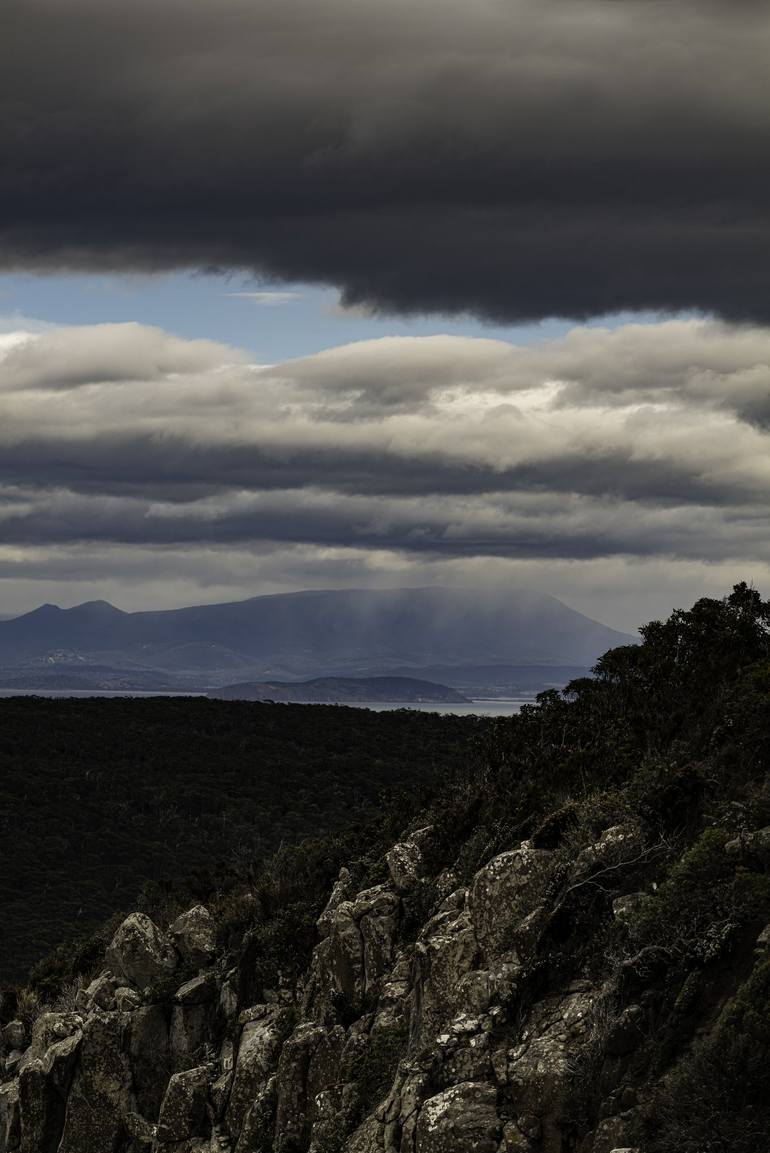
<point x="16" y="326"/>
<point x="645" y="445"/>
<point x="268" y="298"/>
<point x="93" y="355"/>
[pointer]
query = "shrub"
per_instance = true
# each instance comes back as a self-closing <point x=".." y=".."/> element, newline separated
<point x="376" y="1066"/>
<point x="717" y="1100"/>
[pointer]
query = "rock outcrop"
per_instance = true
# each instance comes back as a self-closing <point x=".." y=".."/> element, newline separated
<point x="140" y="952"/>
<point x="195" y="936"/>
<point x="439" y="1038"/>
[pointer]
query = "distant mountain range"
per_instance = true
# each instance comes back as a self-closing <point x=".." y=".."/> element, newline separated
<point x="460" y="637"/>
<point x="343" y="690"/>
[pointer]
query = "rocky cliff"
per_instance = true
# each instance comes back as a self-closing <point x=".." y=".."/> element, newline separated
<point x="449" y="1035"/>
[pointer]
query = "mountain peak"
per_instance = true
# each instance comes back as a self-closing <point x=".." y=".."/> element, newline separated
<point x="346" y="632"/>
<point x="95" y="607"/>
<point x="43" y="610"/>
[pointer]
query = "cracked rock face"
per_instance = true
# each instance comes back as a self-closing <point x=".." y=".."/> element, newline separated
<point x="504" y="892"/>
<point x="141" y="952"/>
<point x="257" y="1057"/>
<point x="539" y="1068"/>
<point x="10" y="1126"/>
<point x="462" y="1119"/>
<point x="343" y="890"/>
<point x="447" y="950"/>
<point x="101" y="1092"/>
<point x="434" y="1039"/>
<point x="195" y="936"/>
<point x="406" y="860"/>
<point x="183" y="1111"/>
<point x="14" y="1035"/>
<point x="351" y="962"/>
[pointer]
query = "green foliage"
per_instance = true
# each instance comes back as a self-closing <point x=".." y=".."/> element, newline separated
<point x="277" y="951"/>
<point x="674" y="683"/>
<point x="100" y="799"/>
<point x="703" y="903"/>
<point x="80" y="957"/>
<point x="677" y="723"/>
<point x="718" y="1098"/>
<point x="376" y="1065"/>
<point x="282" y="905"/>
<point x="28" y="1005"/>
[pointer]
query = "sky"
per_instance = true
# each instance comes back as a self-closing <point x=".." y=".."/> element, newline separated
<point x="339" y="293"/>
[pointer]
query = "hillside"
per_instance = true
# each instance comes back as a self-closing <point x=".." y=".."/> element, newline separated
<point x="345" y="690"/>
<point x="297" y="636"/>
<point x="99" y="798"/>
<point x="566" y="949"/>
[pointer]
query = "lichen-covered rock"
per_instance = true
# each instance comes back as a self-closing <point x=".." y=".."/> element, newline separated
<point x="514" y="1141"/>
<point x="44" y="1085"/>
<point x="256" y="1060"/>
<point x="191" y="1145"/>
<point x="446" y="883"/>
<point x="48" y="1029"/>
<point x="411" y="1093"/>
<point x="309" y="1062"/>
<point x="183" y="1112"/>
<point x="377" y="913"/>
<point x="351" y="963"/>
<point x="200" y="990"/>
<point x="462" y="1119"/>
<point x="614" y="1134"/>
<point x="370" y="1137"/>
<point x="394" y="1004"/>
<point x="342" y="891"/>
<point x="228" y="996"/>
<point x="438" y="1038"/>
<point x="618" y="843"/>
<point x="465" y="1052"/>
<point x="15" y="1035"/>
<point x="504" y="892"/>
<point x="762" y="944"/>
<point x="140" y="1130"/>
<point x="195" y="936"/>
<point x="127" y="999"/>
<point x="10" y="1126"/>
<point x="188" y="1034"/>
<point x="259" y="1124"/>
<point x="141" y="952"/>
<point x="540" y="1065"/>
<point x="406" y="860"/>
<point x="334" y="1112"/>
<point x="101" y="1094"/>
<point x="101" y="991"/>
<point x="447" y="951"/>
<point x="343" y="961"/>
<point x="219" y="1091"/>
<point x="147" y="1044"/>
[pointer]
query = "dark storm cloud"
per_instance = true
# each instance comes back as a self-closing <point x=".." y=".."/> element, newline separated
<point x="572" y="530"/>
<point x="516" y="160"/>
<point x="178" y="472"/>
